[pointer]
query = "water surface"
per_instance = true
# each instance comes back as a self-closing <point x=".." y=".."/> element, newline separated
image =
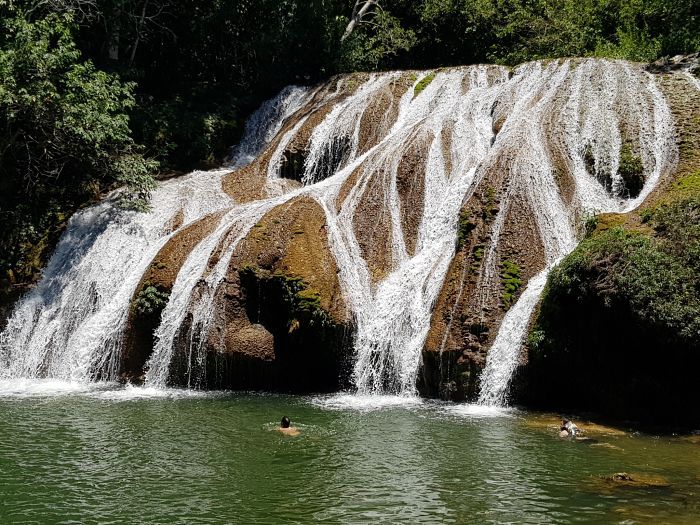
<point x="107" y="454"/>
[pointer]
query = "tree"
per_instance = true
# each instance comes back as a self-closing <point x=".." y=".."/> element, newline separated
<point x="64" y="131"/>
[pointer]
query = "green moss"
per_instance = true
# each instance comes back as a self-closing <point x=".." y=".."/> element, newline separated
<point x="465" y="227"/>
<point x="685" y="187"/>
<point x="301" y="303"/>
<point x="478" y="252"/>
<point x="423" y="83"/>
<point x="511" y="282"/>
<point x="631" y="169"/>
<point x="308" y="300"/>
<point x="490" y="209"/>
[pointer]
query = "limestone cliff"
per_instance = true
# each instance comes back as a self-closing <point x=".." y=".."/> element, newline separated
<point x="387" y="232"/>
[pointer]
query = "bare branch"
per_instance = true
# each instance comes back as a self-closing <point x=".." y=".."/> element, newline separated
<point x="359" y="11"/>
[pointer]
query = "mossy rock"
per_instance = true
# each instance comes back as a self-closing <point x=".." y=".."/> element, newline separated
<point x="510" y="281"/>
<point x="631" y="170"/>
<point x="423" y="83"/>
<point x="465" y="227"/>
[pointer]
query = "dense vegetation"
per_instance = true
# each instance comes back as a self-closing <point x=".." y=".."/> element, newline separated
<point x="100" y="93"/>
<point x="619" y="327"/>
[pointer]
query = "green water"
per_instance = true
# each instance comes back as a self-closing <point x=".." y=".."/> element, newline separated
<point x="115" y="456"/>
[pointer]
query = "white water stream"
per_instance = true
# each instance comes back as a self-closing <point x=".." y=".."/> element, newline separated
<point x="70" y="326"/>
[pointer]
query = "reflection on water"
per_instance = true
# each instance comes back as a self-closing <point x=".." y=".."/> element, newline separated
<point x="108" y="454"/>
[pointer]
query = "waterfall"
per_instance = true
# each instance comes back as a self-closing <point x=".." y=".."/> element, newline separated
<point x="391" y="166"/>
<point x="599" y="104"/>
<point x="69" y="327"/>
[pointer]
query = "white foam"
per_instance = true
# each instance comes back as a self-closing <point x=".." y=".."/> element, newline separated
<point x="478" y="411"/>
<point x="367" y="403"/>
<point x="25" y="387"/>
<point x="133" y="393"/>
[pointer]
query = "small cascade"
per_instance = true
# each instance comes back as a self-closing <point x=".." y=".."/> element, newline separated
<point x="391" y="168"/>
<point x="393" y="315"/>
<point x="69" y="327"/>
<point x="262" y="126"/>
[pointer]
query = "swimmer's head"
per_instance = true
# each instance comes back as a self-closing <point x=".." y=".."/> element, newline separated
<point x="285" y="422"/>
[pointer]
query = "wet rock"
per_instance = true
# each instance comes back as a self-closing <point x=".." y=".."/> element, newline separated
<point x="279" y="320"/>
<point x="678" y="62"/>
<point x="636" y="480"/>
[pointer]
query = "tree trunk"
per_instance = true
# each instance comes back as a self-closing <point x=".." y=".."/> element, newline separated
<point x="139" y="29"/>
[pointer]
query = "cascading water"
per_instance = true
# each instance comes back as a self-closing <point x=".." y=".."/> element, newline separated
<point x="392" y="251"/>
<point x="599" y="106"/>
<point x="69" y="327"/>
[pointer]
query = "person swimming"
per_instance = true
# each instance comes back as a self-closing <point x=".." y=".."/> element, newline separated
<point x="286" y="428"/>
<point x="568" y="428"/>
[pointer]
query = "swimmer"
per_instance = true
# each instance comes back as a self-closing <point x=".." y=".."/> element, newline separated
<point x="286" y="428"/>
<point x="568" y="429"/>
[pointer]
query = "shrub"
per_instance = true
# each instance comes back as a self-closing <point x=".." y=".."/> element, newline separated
<point x="423" y="83"/>
<point x="151" y="300"/>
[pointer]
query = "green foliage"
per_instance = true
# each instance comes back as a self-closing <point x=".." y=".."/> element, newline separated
<point x="512" y="31"/>
<point x="656" y="278"/>
<point x="64" y="134"/>
<point x="150" y="300"/>
<point x="423" y="83"/>
<point x="631" y="44"/>
<point x="511" y="282"/>
<point x="535" y="338"/>
<point x="590" y="224"/>
<point x="372" y="49"/>
<point x="298" y="301"/>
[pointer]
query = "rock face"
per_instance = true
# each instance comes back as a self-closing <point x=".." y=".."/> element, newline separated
<point x="279" y="319"/>
<point x="337" y="265"/>
<point x="384" y="232"/>
<point x="158" y="280"/>
<point x="617" y="331"/>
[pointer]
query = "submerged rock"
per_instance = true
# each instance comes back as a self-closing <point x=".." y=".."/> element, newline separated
<point x="636" y="480"/>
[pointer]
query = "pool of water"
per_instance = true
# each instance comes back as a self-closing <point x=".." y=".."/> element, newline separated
<point x="108" y="454"/>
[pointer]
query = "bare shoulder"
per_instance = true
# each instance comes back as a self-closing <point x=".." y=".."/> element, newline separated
<point x="291" y="431"/>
